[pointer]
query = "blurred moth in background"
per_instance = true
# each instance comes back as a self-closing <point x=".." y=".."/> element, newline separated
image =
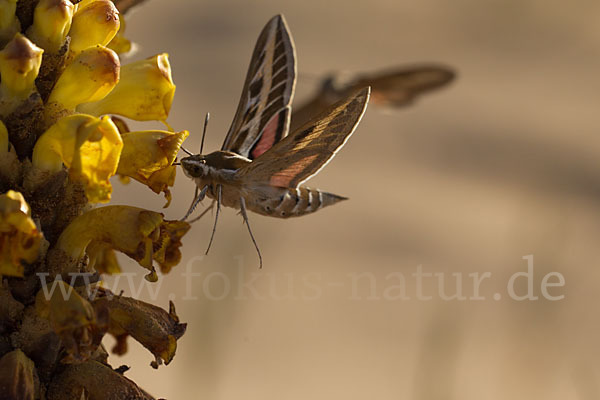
<point x="259" y="167"/>
<point x="392" y="88"/>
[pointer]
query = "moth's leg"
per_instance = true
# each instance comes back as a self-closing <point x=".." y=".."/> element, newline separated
<point x="212" y="236"/>
<point x="245" y="215"/>
<point x="198" y="197"/>
<point x="212" y="205"/>
<point x="192" y="206"/>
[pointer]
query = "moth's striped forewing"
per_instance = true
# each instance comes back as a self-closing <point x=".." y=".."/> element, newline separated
<point x="307" y="150"/>
<point x="263" y="114"/>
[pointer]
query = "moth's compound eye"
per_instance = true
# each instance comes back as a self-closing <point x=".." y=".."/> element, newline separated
<point x="193" y="167"/>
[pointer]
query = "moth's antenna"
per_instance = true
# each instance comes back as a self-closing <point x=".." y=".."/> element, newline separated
<point x="189" y="153"/>
<point x="204" y="131"/>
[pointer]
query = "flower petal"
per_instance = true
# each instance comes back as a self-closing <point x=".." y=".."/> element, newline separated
<point x="120" y="44"/>
<point x="91" y="75"/>
<point x="141" y="234"/>
<point x="79" y="325"/>
<point x="90" y="147"/>
<point x="19" y="237"/>
<point x="103" y="258"/>
<point x="95" y="23"/>
<point x="10" y="167"/>
<point x="51" y="23"/>
<point x="147" y="157"/>
<point x="20" y="64"/>
<point x="4" y="145"/>
<point x="144" y="93"/>
<point x="156" y="329"/>
<point x="9" y="23"/>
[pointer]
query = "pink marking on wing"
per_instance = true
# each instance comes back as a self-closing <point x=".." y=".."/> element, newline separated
<point x="267" y="140"/>
<point x="284" y="177"/>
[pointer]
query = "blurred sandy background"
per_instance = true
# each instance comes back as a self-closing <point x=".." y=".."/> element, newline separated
<point x="503" y="163"/>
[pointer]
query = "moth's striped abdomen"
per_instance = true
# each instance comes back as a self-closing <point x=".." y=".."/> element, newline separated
<point x="295" y="202"/>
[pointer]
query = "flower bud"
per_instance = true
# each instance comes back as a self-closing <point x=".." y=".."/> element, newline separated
<point x="142" y="235"/>
<point x="90" y="147"/>
<point x="19" y="237"/>
<point x="9" y="23"/>
<point x="51" y="23"/>
<point x="20" y="64"/>
<point x="96" y="23"/>
<point x="89" y="77"/>
<point x="144" y="93"/>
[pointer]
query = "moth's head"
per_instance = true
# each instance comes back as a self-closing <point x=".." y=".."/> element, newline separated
<point x="194" y="166"/>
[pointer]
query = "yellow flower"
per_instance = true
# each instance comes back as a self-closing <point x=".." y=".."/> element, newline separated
<point x="89" y="146"/>
<point x="102" y="258"/>
<point x="10" y="167"/>
<point x="147" y="157"/>
<point x="51" y="23"/>
<point x="152" y="326"/>
<point x="79" y="326"/>
<point x="95" y="23"/>
<point x="83" y="4"/>
<point x="19" y="237"/>
<point x="20" y="63"/>
<point x="145" y="92"/>
<point x="141" y="234"/>
<point x="4" y="145"/>
<point x="120" y="44"/>
<point x="91" y="75"/>
<point x="9" y="23"/>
